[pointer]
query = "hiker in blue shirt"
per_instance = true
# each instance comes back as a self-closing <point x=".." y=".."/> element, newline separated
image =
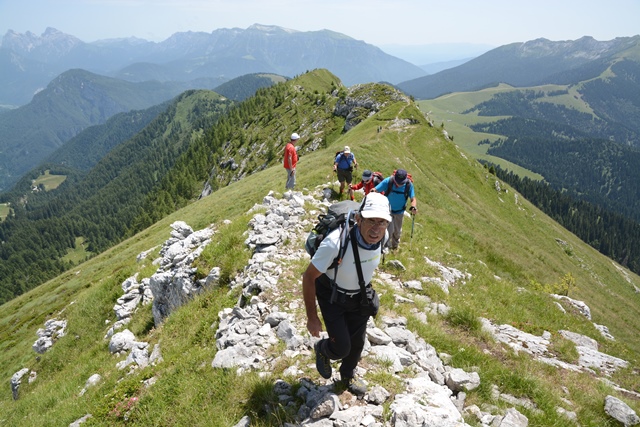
<point x="344" y="163"/>
<point x="398" y="188"/>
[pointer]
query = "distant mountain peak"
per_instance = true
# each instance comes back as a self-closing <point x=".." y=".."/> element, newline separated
<point x="271" y="29"/>
<point x="50" y="31"/>
<point x="585" y="47"/>
<point x="52" y="40"/>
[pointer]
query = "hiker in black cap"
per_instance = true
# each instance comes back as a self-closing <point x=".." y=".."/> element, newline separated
<point x="369" y="180"/>
<point x="398" y="188"/>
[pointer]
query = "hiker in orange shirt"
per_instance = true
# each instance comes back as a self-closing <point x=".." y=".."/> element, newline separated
<point x="290" y="161"/>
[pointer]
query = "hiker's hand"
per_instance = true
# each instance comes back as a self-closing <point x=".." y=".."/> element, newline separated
<point x="413" y="210"/>
<point x="314" y="326"/>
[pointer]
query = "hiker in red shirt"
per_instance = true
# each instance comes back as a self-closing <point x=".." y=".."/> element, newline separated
<point x="291" y="160"/>
<point x="368" y="182"/>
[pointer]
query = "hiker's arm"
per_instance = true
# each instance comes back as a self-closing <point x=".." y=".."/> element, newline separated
<point x="314" y="326"/>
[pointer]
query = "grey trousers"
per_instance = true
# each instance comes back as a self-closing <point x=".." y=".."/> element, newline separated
<point x="291" y="178"/>
<point x="395" y="230"/>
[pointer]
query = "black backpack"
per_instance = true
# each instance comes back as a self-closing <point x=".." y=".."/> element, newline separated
<point x="377" y="178"/>
<point x="338" y="215"/>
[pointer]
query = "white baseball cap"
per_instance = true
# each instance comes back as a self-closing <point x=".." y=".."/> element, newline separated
<point x="294" y="136"/>
<point x="375" y="205"/>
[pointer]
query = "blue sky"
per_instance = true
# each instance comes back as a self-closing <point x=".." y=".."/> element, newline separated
<point x="488" y="23"/>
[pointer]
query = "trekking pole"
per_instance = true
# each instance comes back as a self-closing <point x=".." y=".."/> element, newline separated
<point x="413" y="222"/>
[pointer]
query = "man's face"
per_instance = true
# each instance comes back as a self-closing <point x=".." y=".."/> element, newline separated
<point x="372" y="229"/>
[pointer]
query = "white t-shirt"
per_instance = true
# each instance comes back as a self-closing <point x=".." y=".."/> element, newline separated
<point x="347" y="278"/>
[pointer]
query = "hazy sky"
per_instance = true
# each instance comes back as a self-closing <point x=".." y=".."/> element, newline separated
<point x="378" y="22"/>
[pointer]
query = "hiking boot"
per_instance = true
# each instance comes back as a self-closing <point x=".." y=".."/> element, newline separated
<point x="323" y="363"/>
<point x="357" y="387"/>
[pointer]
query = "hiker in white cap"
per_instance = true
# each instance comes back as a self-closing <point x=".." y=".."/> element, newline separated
<point x="343" y="165"/>
<point x="291" y="160"/>
<point x="343" y="290"/>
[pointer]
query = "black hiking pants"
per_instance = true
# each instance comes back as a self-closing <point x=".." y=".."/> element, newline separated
<point x="344" y="324"/>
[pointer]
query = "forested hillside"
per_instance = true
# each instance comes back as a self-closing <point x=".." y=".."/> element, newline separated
<point x="592" y="155"/>
<point x="72" y="102"/>
<point x="161" y="169"/>
<point x="99" y="207"/>
<point x="589" y="159"/>
<point x="84" y="151"/>
<point x="596" y="170"/>
<point x="75" y="158"/>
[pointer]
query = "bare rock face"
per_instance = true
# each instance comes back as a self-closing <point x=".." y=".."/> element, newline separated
<point x="174" y="284"/>
<point x="364" y="100"/>
<point x="53" y="329"/>
<point x="16" y="380"/>
<point x="619" y="410"/>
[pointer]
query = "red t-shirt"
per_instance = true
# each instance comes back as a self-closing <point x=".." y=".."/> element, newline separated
<point x="290" y="156"/>
<point x="366" y="185"/>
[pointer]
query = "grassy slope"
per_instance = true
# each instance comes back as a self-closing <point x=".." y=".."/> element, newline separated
<point x="462" y="222"/>
<point x="50" y="182"/>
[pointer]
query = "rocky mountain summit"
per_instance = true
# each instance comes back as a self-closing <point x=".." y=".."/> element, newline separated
<point x="266" y="317"/>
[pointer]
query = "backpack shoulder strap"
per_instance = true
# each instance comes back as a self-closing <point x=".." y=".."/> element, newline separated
<point x="345" y="238"/>
<point x="407" y="189"/>
<point x="356" y="257"/>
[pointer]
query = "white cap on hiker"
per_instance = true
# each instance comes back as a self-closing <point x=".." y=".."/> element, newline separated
<point x="347" y="150"/>
<point x="375" y="205"/>
<point x="295" y="136"/>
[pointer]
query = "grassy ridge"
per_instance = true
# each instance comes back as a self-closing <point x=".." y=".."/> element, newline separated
<point x="463" y="222"/>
